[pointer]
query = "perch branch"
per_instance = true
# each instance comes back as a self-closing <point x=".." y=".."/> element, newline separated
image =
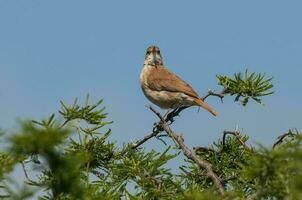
<point x="178" y="139"/>
<point x="170" y="118"/>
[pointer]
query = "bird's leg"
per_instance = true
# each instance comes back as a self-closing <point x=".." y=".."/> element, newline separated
<point x="174" y="113"/>
<point x="171" y="115"/>
<point x="168" y="112"/>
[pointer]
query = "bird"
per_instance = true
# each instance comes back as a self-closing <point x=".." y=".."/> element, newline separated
<point x="164" y="88"/>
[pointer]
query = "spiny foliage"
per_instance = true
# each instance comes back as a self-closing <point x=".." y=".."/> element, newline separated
<point x="70" y="156"/>
<point x="95" y="168"/>
<point x="228" y="153"/>
<point x="75" y="160"/>
<point x="246" y="86"/>
<point x="276" y="173"/>
<point x="87" y="113"/>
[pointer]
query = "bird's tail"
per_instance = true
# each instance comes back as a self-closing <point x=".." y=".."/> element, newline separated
<point x="205" y="106"/>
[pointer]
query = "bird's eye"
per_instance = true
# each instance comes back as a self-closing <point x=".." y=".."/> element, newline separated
<point x="148" y="52"/>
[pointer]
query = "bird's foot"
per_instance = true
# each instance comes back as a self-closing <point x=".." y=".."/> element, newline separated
<point x="171" y="115"/>
<point x="158" y="127"/>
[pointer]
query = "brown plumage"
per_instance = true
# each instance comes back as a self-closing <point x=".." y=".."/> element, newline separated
<point x="161" y="79"/>
<point x="164" y="88"/>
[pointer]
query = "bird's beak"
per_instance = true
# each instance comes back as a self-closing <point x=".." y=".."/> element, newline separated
<point x="153" y="58"/>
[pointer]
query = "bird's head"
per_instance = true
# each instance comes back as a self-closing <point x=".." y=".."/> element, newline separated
<point x="153" y="56"/>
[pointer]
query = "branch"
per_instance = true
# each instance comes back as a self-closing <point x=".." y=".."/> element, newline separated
<point x="156" y="130"/>
<point x="211" y="93"/>
<point x="29" y="181"/>
<point x="178" y="139"/>
<point x="170" y="117"/>
<point x="24" y="170"/>
<point x="200" y="148"/>
<point x="238" y="137"/>
<point x="142" y="141"/>
<point x="281" y="138"/>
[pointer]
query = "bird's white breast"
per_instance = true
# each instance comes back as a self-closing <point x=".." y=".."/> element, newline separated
<point x="144" y="73"/>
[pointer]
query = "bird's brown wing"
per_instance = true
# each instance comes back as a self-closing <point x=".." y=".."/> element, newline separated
<point x="161" y="79"/>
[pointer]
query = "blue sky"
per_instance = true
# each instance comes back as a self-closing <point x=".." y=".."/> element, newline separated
<point x="59" y="50"/>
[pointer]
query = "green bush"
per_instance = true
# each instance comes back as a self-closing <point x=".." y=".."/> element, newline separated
<point x="71" y="157"/>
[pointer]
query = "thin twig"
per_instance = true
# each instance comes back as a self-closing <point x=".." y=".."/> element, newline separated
<point x="282" y="137"/>
<point x="142" y="141"/>
<point x="157" y="114"/>
<point x="237" y="136"/>
<point x="211" y="93"/>
<point x="160" y="139"/>
<point x="64" y="123"/>
<point x="156" y="130"/>
<point x="24" y="170"/>
<point x="29" y="181"/>
<point x="200" y="148"/>
<point x="178" y="139"/>
<point x="156" y="180"/>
